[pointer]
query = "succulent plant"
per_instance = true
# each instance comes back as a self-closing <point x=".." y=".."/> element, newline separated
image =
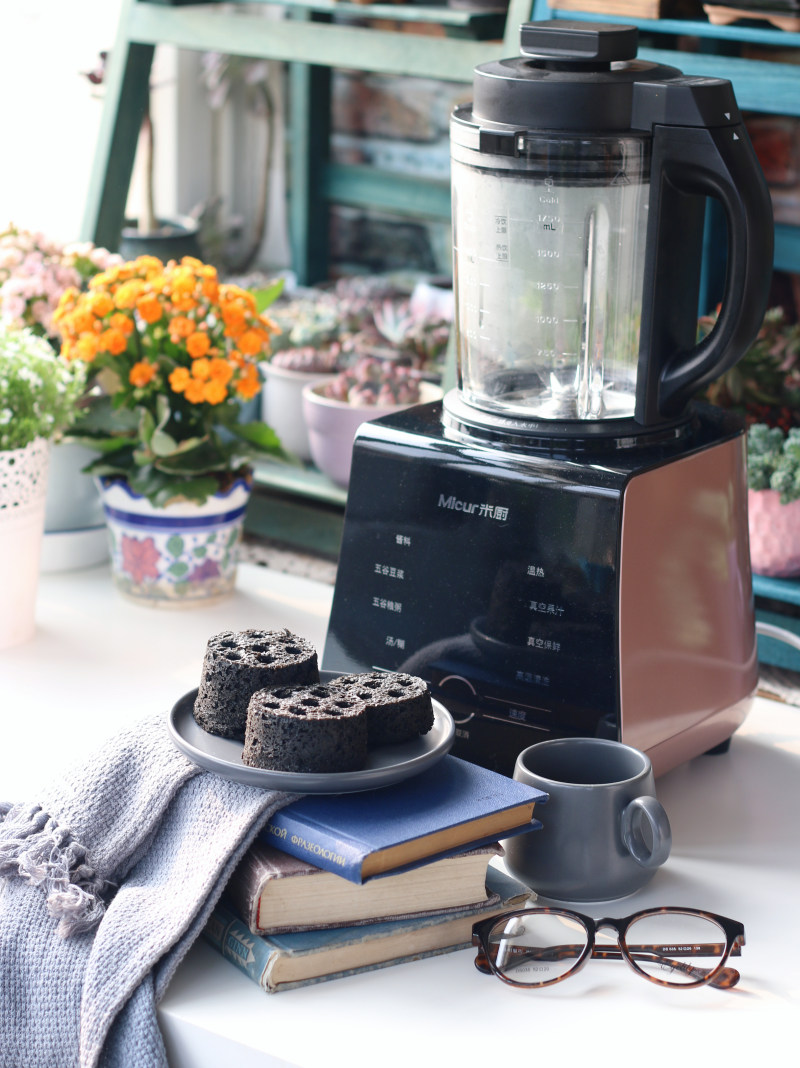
<point x="310" y="320"/>
<point x="765" y="384"/>
<point x="310" y="359"/>
<point x="371" y="381"/>
<point x="773" y="460"/>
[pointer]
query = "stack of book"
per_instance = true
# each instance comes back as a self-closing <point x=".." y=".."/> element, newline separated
<point x="338" y="884"/>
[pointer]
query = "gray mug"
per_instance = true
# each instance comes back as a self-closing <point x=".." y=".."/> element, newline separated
<point x="603" y="832"/>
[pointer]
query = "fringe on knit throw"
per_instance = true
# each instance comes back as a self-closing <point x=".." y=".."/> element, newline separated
<point x="106" y="880"/>
<point x="36" y="849"/>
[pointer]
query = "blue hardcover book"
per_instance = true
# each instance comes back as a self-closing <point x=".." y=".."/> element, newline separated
<point x="281" y="961"/>
<point x="451" y="806"/>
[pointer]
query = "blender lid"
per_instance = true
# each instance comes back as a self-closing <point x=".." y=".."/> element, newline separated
<point x="569" y="76"/>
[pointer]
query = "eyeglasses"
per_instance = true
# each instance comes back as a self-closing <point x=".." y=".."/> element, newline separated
<point x="541" y="946"/>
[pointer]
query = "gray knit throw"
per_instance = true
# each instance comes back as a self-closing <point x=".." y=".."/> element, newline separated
<point x="105" y="882"/>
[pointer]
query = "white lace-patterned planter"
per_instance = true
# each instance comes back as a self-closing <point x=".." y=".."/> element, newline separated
<point x="23" y="490"/>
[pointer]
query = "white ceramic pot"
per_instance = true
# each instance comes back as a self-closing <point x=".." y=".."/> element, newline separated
<point x="74" y="525"/>
<point x="23" y="490"/>
<point x="332" y="426"/>
<point x="282" y="406"/>
<point x="774" y="534"/>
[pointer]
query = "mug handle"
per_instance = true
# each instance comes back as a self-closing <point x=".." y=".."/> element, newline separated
<point x="653" y="811"/>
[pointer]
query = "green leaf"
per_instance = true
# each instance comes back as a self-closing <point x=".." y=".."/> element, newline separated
<point x="147" y="425"/>
<point x="195" y="489"/>
<point x="267" y="296"/>
<point x="103" y="445"/>
<point x="163" y="444"/>
<point x="260" y="435"/>
<point x="178" y="569"/>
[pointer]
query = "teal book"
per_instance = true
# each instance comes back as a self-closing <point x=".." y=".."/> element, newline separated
<point x="451" y="806"/>
<point x="283" y="961"/>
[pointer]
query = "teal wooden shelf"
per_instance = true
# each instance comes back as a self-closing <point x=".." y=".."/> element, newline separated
<point x="786" y="590"/>
<point x="301" y="479"/>
<point x="296" y="506"/>
<point x="313" y="38"/>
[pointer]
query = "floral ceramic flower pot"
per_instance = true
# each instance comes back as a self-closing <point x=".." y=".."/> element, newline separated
<point x="774" y="534"/>
<point x="176" y="555"/>
<point x="23" y="491"/>
<point x="332" y="426"/>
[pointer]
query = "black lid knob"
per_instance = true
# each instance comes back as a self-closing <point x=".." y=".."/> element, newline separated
<point x="578" y="42"/>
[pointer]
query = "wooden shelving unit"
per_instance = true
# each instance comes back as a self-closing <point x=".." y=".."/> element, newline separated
<point x="316" y="36"/>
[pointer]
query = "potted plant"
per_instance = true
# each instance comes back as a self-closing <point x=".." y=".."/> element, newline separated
<point x="336" y="407"/>
<point x="764" y="386"/>
<point x="773" y="497"/>
<point x="38" y="396"/>
<point x="34" y="272"/>
<point x="306" y="350"/>
<point x="173" y="352"/>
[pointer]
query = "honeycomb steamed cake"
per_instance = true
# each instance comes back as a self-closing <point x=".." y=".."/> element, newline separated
<point x="398" y="705"/>
<point x="314" y="728"/>
<point x="239" y="663"/>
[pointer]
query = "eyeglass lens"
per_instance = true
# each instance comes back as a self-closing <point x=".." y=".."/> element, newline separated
<point x="539" y="947"/>
<point x="542" y="947"/>
<point x="675" y="947"/>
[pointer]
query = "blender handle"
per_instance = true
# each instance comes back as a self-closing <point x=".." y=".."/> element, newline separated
<point x="690" y="163"/>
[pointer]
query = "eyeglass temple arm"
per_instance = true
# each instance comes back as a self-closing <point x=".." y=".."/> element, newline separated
<point x="724" y="979"/>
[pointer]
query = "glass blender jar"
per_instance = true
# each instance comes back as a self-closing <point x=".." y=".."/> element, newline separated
<point x="579" y="179"/>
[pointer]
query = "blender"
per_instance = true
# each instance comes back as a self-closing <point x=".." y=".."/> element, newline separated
<point x="559" y="547"/>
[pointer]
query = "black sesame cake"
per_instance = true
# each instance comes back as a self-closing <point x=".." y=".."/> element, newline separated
<point x="306" y="729"/>
<point x="398" y="705"/>
<point x="237" y="664"/>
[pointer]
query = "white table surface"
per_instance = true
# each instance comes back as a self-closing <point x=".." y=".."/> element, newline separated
<point x="98" y="661"/>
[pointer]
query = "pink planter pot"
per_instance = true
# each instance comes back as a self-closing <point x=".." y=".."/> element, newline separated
<point x="332" y="426"/>
<point x="774" y="534"/>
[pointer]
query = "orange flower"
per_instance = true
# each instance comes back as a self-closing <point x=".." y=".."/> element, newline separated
<point x="149" y="266"/>
<point x="210" y="289"/>
<point x="81" y="321"/>
<point x="180" y="326"/>
<point x="201" y="369"/>
<point x="195" y="390"/>
<point x="141" y="373"/>
<point x="123" y="322"/>
<point x="67" y="301"/>
<point x="108" y="277"/>
<point x="128" y="293"/>
<point x="234" y="319"/>
<point x="249" y="384"/>
<point x="101" y="304"/>
<point x="214" y="392"/>
<point x="198" y="344"/>
<point x="180" y="379"/>
<point x="149" y="308"/>
<point x="220" y="371"/>
<point x="252" y="341"/>
<point x="114" y="341"/>
<point x="87" y="347"/>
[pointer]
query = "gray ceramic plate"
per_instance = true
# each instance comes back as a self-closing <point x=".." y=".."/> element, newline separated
<point x="387" y="765"/>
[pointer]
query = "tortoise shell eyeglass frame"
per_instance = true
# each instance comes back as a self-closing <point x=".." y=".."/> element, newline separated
<point x="718" y="976"/>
